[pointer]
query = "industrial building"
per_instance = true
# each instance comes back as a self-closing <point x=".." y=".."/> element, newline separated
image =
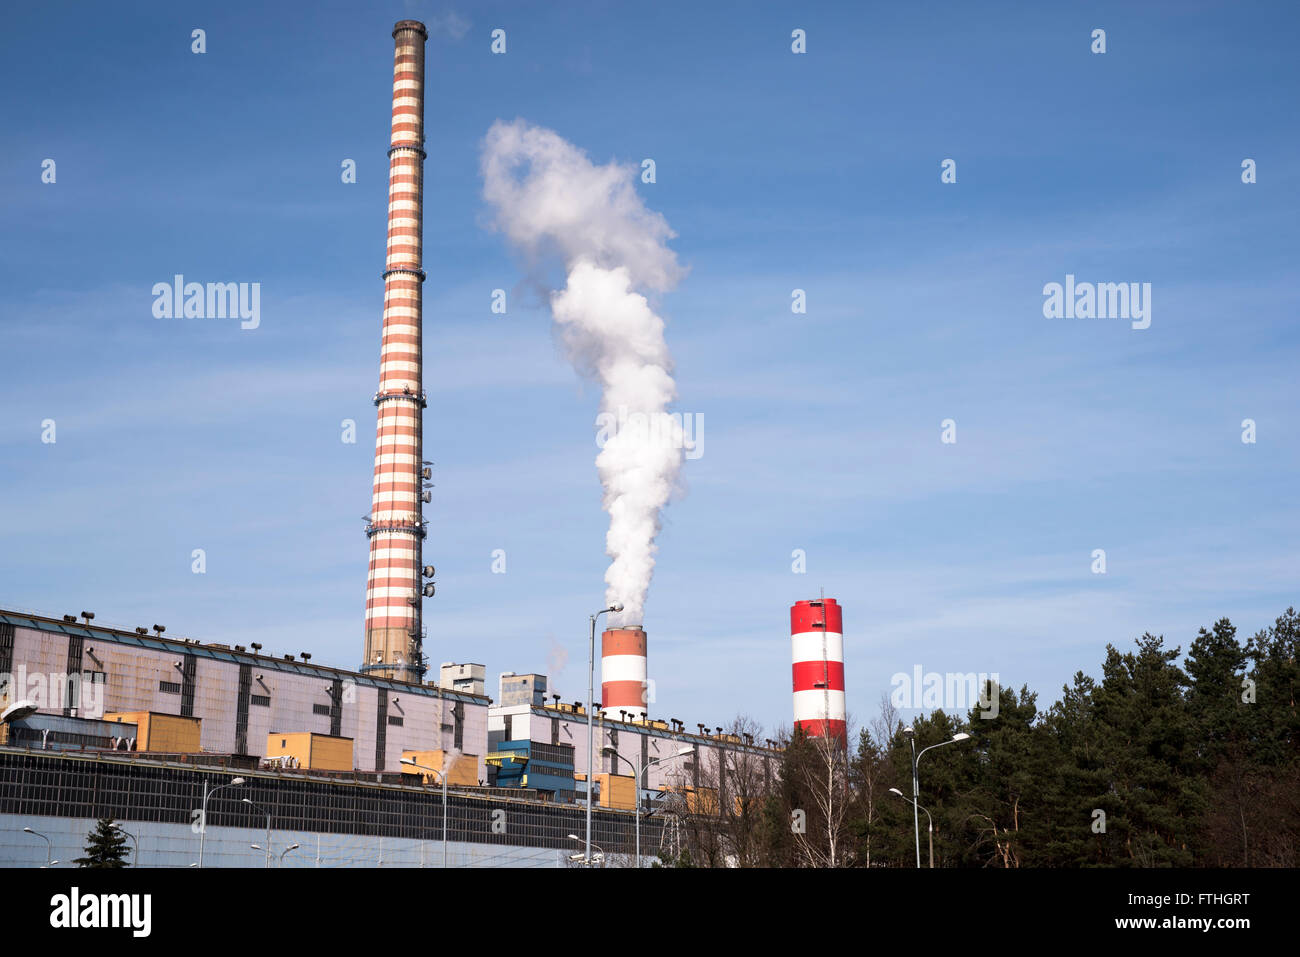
<point x="130" y="725"/>
<point x="357" y="820"/>
<point x="671" y="757"/>
<point x="235" y="696"/>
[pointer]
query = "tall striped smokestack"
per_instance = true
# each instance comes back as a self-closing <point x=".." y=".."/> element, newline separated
<point x="623" y="684"/>
<point x="817" y="640"/>
<point x="394" y="590"/>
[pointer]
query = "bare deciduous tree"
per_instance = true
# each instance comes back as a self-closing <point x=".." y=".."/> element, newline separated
<point x="820" y="768"/>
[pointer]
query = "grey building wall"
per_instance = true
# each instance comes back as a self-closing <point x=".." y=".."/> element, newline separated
<point x="240" y="697"/>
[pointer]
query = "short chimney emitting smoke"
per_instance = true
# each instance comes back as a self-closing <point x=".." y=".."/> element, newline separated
<point x="623" y="685"/>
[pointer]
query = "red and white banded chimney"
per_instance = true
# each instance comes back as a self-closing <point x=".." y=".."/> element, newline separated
<point x="817" y="640"/>
<point x="623" y="685"/>
<point x="394" y="591"/>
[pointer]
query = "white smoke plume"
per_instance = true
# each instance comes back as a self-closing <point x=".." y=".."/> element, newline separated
<point x="548" y="196"/>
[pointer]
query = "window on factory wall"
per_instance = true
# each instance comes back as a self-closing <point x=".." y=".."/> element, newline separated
<point x="321" y="709"/>
<point x="261" y="700"/>
<point x="169" y="687"/>
<point x="509" y="728"/>
<point x="458" y="717"/>
<point x="555" y="731"/>
<point x="395" y="719"/>
<point x="6" y="648"/>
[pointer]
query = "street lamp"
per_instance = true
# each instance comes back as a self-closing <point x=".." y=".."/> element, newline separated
<point x="17" y="711"/>
<point x="203" y="815"/>
<point x="640" y="786"/>
<point x="135" y="861"/>
<point x="49" y="849"/>
<point x="258" y="847"/>
<point x="587" y="859"/>
<point x="442" y="774"/>
<point x="268" y="828"/>
<point x="927" y="815"/>
<point x="916" y="758"/>
<point x="591" y="746"/>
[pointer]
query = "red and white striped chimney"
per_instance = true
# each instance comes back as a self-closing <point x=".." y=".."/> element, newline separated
<point x="623" y="685"/>
<point x="817" y="640"/>
<point x="394" y="633"/>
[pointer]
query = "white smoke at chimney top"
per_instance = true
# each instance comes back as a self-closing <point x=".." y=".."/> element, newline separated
<point x="548" y="195"/>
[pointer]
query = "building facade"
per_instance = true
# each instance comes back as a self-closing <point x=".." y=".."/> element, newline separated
<point x="239" y="696"/>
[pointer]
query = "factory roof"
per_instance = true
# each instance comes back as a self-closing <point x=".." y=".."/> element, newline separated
<point x="221" y="652"/>
<point x="658" y="728"/>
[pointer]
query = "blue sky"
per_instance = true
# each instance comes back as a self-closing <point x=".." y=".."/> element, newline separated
<point x="821" y="431"/>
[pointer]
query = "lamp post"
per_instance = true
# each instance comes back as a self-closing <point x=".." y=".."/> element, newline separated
<point x="928" y="818"/>
<point x="291" y="847"/>
<point x="586" y="854"/>
<point x="268" y="828"/>
<point x="135" y="861"/>
<point x="443" y="775"/>
<point x="916" y="758"/>
<point x="49" y="848"/>
<point x="591" y="757"/>
<point x="640" y="786"/>
<point x="203" y="815"/>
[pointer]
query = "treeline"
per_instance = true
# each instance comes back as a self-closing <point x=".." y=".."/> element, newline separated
<point x="1155" y="765"/>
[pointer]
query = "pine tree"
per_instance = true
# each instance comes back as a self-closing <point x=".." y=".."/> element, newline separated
<point x="106" y="846"/>
<point x="1148" y="753"/>
<point x="1273" y="836"/>
<point x="1223" y="729"/>
<point x="1080" y="787"/>
<point x="1002" y="813"/>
